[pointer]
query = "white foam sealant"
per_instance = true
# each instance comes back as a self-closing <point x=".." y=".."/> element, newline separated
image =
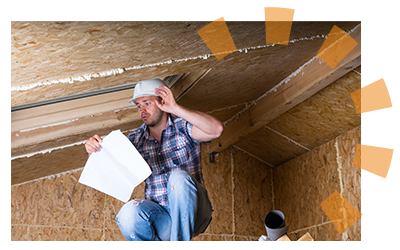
<point x="49" y="150"/>
<point x="88" y="77"/>
<point x="49" y="125"/>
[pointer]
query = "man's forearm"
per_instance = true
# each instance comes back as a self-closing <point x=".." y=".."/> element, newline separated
<point x="205" y="126"/>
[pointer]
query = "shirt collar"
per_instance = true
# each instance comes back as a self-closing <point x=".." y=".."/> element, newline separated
<point x="170" y="123"/>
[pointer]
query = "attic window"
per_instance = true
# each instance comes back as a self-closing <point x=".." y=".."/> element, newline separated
<point x="171" y="80"/>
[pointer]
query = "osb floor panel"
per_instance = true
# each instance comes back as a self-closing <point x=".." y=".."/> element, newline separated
<point x="60" y="208"/>
<point x="303" y="183"/>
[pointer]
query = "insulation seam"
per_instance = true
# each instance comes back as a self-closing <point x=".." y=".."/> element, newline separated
<point x="233" y="192"/>
<point x="48" y="150"/>
<point x="356" y="71"/>
<point x="272" y="189"/>
<point x="292" y="141"/>
<point x="60" y="147"/>
<point x="340" y="174"/>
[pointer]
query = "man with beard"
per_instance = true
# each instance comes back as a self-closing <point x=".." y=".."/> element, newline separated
<point x="176" y="204"/>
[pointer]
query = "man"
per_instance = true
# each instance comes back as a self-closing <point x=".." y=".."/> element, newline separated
<point x="176" y="204"/>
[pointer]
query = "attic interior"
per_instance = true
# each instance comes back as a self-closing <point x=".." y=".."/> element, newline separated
<point x="291" y="128"/>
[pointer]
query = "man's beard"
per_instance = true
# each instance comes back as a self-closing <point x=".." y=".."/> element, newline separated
<point x="157" y="119"/>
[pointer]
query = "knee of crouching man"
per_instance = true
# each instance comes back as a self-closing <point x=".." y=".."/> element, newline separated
<point x="178" y="175"/>
<point x="179" y="178"/>
<point x="129" y="211"/>
<point x="136" y="202"/>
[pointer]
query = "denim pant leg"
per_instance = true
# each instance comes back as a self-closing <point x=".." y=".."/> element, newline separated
<point x="141" y="220"/>
<point x="190" y="208"/>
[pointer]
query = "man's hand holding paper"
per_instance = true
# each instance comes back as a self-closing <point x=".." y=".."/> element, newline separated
<point x="93" y="144"/>
<point x="116" y="169"/>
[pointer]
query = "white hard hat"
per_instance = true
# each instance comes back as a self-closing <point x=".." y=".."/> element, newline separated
<point x="146" y="88"/>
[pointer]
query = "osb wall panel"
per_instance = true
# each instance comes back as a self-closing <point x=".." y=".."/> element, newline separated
<point x="35" y="233"/>
<point x="252" y="193"/>
<point x="239" y="187"/>
<point x="218" y="181"/>
<point x="347" y="145"/>
<point x="301" y="184"/>
<point x="60" y="208"/>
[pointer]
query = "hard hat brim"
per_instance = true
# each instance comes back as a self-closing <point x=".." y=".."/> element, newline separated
<point x="133" y="100"/>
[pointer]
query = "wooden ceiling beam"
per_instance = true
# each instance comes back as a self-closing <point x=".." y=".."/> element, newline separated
<point x="313" y="77"/>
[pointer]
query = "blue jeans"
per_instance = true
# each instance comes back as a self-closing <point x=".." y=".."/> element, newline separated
<point x="188" y="214"/>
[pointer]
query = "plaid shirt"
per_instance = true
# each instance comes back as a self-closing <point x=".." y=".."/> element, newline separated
<point x="177" y="150"/>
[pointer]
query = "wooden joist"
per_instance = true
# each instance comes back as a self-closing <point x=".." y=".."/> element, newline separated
<point x="312" y="78"/>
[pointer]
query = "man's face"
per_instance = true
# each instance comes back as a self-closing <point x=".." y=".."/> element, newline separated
<point x="148" y="110"/>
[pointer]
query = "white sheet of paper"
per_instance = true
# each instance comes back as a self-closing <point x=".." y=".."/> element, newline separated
<point x="116" y="169"/>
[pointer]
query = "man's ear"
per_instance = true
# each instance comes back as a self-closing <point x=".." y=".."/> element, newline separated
<point x="159" y="103"/>
<point x="160" y="100"/>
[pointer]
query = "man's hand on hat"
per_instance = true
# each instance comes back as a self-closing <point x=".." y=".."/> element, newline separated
<point x="168" y="103"/>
